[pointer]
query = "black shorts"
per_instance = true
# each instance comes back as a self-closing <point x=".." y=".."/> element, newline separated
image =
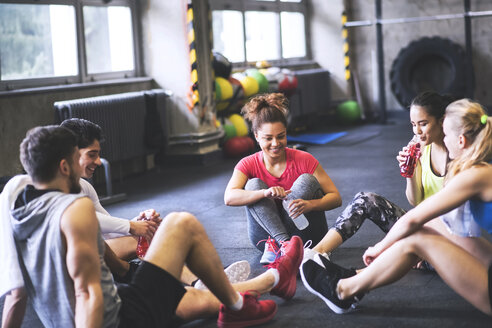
<point x="151" y="299"/>
<point x="490" y="284"/>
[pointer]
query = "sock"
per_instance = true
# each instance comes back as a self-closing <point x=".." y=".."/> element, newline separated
<point x="238" y="305"/>
<point x="276" y="276"/>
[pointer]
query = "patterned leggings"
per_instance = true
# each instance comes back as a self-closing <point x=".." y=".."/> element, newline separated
<point x="367" y="205"/>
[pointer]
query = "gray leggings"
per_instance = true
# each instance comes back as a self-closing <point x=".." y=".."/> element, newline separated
<point x="268" y="218"/>
<point x="367" y="205"/>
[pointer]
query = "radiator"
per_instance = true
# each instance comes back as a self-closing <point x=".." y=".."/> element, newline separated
<point x="134" y="125"/>
<point x="122" y="118"/>
<point x="312" y="96"/>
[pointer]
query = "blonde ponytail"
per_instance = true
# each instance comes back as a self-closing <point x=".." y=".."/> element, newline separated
<point x="470" y="120"/>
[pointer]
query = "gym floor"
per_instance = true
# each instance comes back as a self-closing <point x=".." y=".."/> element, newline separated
<point x="363" y="161"/>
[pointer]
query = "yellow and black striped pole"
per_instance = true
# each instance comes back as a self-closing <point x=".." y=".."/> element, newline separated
<point x="194" y="97"/>
<point x="346" y="58"/>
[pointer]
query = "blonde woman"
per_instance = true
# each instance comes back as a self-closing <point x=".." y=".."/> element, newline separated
<point x="466" y="199"/>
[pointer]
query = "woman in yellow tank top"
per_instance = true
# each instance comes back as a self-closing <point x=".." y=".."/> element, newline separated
<point x="426" y="115"/>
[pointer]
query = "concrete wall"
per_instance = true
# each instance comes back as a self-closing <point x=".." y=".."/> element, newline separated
<point x="165" y="44"/>
<point x="327" y="48"/>
<point x="327" y="43"/>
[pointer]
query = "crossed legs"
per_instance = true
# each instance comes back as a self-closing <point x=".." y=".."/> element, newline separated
<point x="463" y="272"/>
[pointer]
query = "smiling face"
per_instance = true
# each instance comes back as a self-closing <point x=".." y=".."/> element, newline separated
<point x="452" y="140"/>
<point x="427" y="127"/>
<point x="89" y="159"/>
<point x="272" y="138"/>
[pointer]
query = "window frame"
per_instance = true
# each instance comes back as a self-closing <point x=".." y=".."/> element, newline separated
<point x="272" y="6"/>
<point x="82" y="76"/>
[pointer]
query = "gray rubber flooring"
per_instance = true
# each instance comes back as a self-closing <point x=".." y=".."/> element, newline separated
<point x="364" y="162"/>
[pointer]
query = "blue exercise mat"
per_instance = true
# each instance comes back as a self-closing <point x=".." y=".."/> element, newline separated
<point x="316" y="138"/>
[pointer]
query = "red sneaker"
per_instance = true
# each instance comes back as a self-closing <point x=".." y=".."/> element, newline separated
<point x="254" y="312"/>
<point x="288" y="267"/>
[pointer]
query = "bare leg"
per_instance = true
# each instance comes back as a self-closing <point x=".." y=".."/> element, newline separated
<point x="124" y="247"/>
<point x="477" y="246"/>
<point x="182" y="239"/>
<point x="330" y="241"/>
<point x="187" y="276"/>
<point x="197" y="304"/>
<point x="459" y="269"/>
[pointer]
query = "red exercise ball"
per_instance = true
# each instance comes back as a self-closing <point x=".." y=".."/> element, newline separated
<point x="239" y="146"/>
<point x="287" y="83"/>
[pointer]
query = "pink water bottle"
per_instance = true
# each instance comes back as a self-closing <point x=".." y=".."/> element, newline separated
<point x="407" y="169"/>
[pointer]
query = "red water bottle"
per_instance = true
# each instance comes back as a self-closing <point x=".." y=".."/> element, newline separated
<point x="142" y="246"/>
<point x="407" y="169"/>
<point x="143" y="243"/>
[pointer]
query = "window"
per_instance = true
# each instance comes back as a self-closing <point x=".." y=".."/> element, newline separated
<point x="108" y="39"/>
<point x="254" y="30"/>
<point x="37" y="41"/>
<point x="66" y="41"/>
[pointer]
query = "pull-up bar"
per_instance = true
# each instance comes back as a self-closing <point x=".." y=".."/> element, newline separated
<point x="418" y="19"/>
<point x="379" y="22"/>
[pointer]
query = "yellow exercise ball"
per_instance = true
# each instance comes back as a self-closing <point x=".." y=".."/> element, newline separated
<point x="225" y="88"/>
<point x="250" y="85"/>
<point x="240" y="125"/>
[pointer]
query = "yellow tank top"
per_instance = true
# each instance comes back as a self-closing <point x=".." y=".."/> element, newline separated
<point x="431" y="182"/>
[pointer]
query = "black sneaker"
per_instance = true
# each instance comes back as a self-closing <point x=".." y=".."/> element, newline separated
<point x="344" y="273"/>
<point x="323" y="283"/>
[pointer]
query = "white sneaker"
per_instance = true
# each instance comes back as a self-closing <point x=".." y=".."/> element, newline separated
<point x="236" y="272"/>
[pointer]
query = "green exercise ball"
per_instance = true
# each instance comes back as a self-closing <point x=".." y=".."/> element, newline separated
<point x="218" y="93"/>
<point x="348" y="112"/>
<point x="230" y="131"/>
<point x="260" y="78"/>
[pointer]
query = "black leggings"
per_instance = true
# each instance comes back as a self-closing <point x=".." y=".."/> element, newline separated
<point x="367" y="205"/>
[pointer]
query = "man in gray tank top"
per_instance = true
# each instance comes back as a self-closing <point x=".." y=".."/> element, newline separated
<point x="60" y="249"/>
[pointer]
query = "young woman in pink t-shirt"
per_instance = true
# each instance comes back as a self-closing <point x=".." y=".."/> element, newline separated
<point x="262" y="180"/>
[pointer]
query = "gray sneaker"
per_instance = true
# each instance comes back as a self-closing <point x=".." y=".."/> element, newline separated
<point x="236" y="272"/>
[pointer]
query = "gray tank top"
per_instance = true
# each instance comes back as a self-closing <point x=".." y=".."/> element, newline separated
<point x="42" y="253"/>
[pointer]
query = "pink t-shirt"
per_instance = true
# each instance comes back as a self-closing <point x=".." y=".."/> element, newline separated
<point x="298" y="162"/>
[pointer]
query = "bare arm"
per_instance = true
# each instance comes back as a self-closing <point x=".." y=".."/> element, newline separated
<point x="331" y="199"/>
<point x="235" y="195"/>
<point x="474" y="182"/>
<point x="14" y="308"/>
<point x="415" y="190"/>
<point x="79" y="226"/>
<point x="116" y="265"/>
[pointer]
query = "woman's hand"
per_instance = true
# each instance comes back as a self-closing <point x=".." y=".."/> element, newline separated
<point x="371" y="254"/>
<point x="402" y="156"/>
<point x="298" y="207"/>
<point x="276" y="192"/>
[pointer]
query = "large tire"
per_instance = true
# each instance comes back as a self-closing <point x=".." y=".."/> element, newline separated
<point x="435" y="63"/>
